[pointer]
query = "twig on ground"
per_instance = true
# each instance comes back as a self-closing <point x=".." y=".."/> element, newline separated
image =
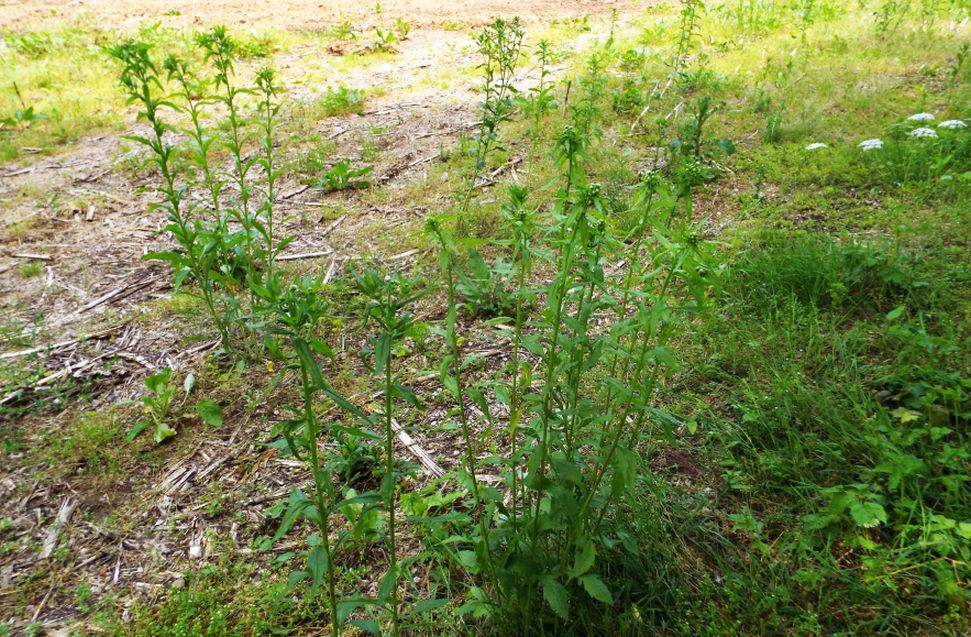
<point x="333" y="225"/>
<point x="32" y="256"/>
<point x="67" y="371"/>
<point x="423" y="456"/>
<point x="449" y="131"/>
<point x="491" y="179"/>
<point x="63" y="517"/>
<point x="424" y="160"/>
<point x="403" y="255"/>
<point x="121" y="292"/>
<point x="84" y="337"/>
<point x="306" y="255"/>
<point x="647" y="107"/>
<point x="22" y="171"/>
<point x="330" y="270"/>
<point x="296" y="192"/>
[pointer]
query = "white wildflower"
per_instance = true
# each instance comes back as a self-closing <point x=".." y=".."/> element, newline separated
<point x="923" y="133"/>
<point x="816" y="146"/>
<point x="921" y="117"/>
<point x="871" y="144"/>
<point x="952" y="124"/>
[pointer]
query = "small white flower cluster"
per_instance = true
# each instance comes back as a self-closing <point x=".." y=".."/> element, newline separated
<point x="952" y="124"/>
<point x="816" y="146"/>
<point x="923" y="133"/>
<point x="920" y="132"/>
<point x="871" y="144"/>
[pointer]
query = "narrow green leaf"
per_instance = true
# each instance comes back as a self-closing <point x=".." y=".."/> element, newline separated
<point x="370" y="626"/>
<point x="428" y="605"/>
<point x="296" y="504"/>
<point x="138" y="428"/>
<point x="308" y="361"/>
<point x="388" y="582"/>
<point x="344" y="404"/>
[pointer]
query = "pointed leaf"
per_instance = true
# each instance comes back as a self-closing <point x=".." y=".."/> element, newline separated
<point x="596" y="589"/>
<point x="557" y="597"/>
<point x="138" y="428"/>
<point x="584" y="557"/>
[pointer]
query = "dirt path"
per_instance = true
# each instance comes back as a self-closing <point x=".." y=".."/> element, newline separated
<point x="89" y="220"/>
<point x="295" y="14"/>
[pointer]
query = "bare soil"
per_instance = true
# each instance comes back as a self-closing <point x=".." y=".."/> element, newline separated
<point x="295" y="14"/>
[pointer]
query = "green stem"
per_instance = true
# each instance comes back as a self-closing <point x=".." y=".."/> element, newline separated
<point x="618" y="432"/>
<point x="515" y="407"/>
<point x="240" y="170"/>
<point x="323" y="511"/>
<point x="389" y="475"/>
<point x="632" y="272"/>
<point x="270" y="186"/>
<point x="550" y="361"/>
<point x="202" y="160"/>
<point x="552" y="364"/>
<point x="464" y="417"/>
<point x="576" y="358"/>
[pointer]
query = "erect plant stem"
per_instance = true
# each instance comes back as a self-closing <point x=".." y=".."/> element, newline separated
<point x="515" y="409"/>
<point x="323" y="508"/>
<point x="470" y="446"/>
<point x="552" y="364"/>
<point x="389" y="469"/>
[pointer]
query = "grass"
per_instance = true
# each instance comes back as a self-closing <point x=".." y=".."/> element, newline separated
<point x="341" y="101"/>
<point x="810" y="392"/>
<point x="91" y="447"/>
<point x="63" y="75"/>
<point x="213" y="603"/>
<point x="30" y="269"/>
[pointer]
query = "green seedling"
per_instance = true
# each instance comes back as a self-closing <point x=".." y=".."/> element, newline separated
<point x="343" y="177"/>
<point x="157" y="404"/>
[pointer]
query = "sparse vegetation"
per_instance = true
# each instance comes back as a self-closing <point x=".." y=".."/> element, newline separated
<point x="342" y="101"/>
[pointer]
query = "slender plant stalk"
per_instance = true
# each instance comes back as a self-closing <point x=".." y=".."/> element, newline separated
<point x="575" y="370"/>
<point x="552" y="361"/>
<point x="221" y="50"/>
<point x="456" y="353"/>
<point x="323" y="508"/>
<point x="389" y="472"/>
<point x="268" y="111"/>
<point x="523" y="258"/>
<point x="202" y="142"/>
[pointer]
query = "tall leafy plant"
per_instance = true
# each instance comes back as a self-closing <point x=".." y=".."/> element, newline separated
<point x="389" y="298"/>
<point x="499" y="45"/>
<point x="579" y="407"/>
<point x="141" y="80"/>
<point x="219" y="236"/>
<point x="220" y="52"/>
<point x="292" y="339"/>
